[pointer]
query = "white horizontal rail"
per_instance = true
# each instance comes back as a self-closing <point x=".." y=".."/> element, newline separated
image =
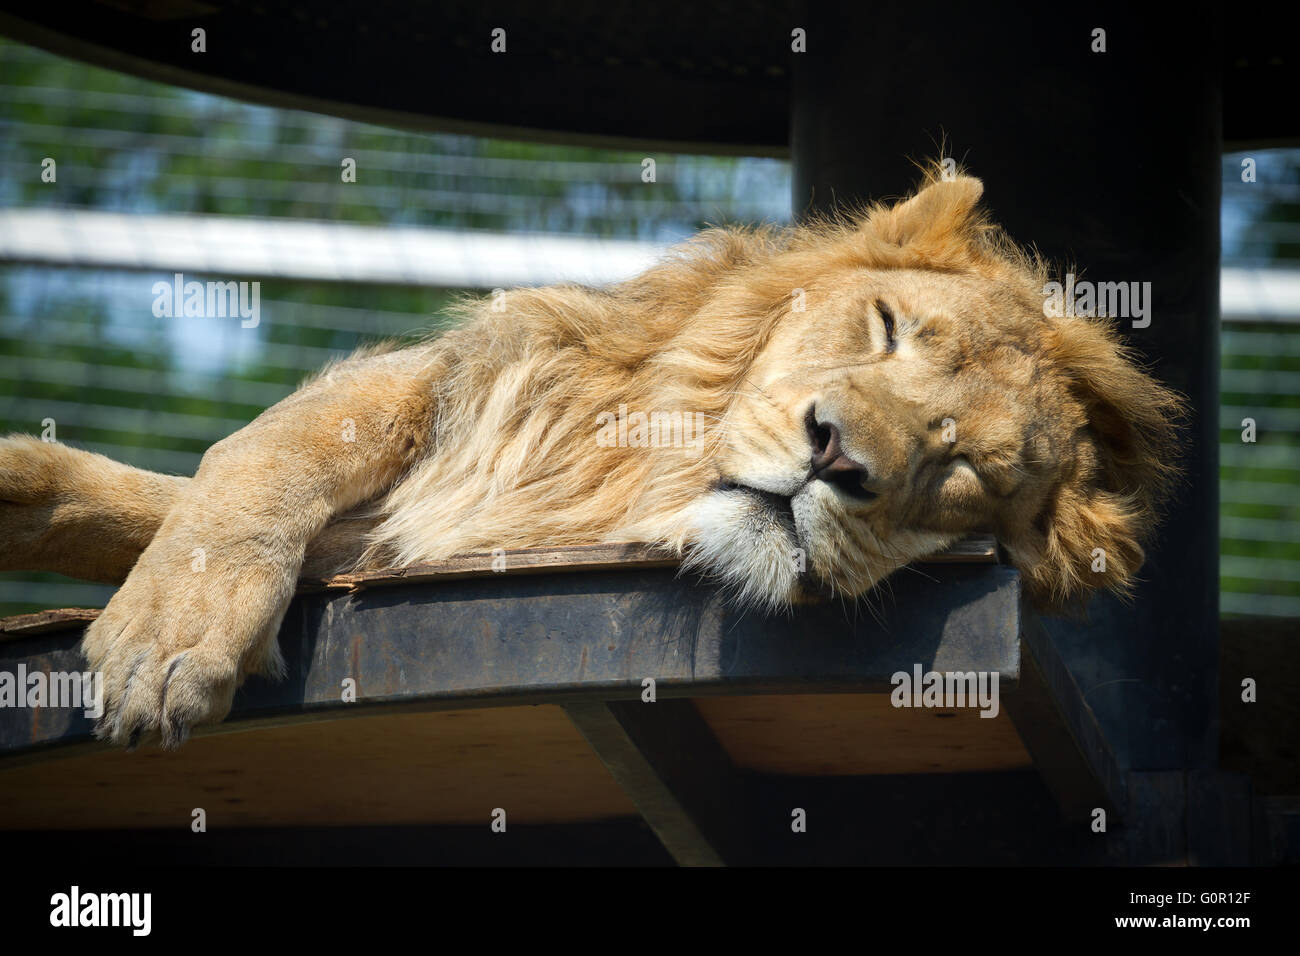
<point x="323" y="251"/>
<point x="332" y="251"/>
<point x="1262" y="295"/>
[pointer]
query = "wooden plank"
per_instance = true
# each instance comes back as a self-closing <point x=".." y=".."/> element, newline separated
<point x="449" y="767"/>
<point x="858" y="735"/>
<point x="973" y="549"/>
<point x="594" y="557"/>
<point x="59" y="619"/>
<point x="977" y="549"/>
<point x="669" y="764"/>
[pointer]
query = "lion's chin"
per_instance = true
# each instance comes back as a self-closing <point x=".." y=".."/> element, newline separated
<point x="749" y="541"/>
<point x="766" y="550"/>
<point x="745" y="539"/>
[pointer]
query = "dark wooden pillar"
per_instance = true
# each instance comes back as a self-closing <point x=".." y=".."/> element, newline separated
<point x="1106" y="160"/>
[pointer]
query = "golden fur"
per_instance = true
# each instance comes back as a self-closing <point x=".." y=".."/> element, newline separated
<point x="979" y="412"/>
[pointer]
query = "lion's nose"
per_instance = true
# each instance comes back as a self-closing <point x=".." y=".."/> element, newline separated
<point x="830" y="463"/>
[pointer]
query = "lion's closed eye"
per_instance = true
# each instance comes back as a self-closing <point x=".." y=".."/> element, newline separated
<point x="887" y="319"/>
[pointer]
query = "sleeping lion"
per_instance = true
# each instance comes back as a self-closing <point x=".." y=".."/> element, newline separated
<point x="855" y="394"/>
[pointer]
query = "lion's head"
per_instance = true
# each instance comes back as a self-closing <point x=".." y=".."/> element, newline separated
<point x="870" y="387"/>
<point x="910" y="390"/>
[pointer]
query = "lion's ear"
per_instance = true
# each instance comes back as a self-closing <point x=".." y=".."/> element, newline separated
<point x="1091" y="534"/>
<point x="1133" y="418"/>
<point x="1086" y="540"/>
<point x="941" y="212"/>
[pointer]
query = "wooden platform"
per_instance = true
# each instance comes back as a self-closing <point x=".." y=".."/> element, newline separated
<point x="522" y="690"/>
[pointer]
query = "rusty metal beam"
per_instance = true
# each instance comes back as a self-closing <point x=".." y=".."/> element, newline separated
<point x="565" y="638"/>
<point x="667" y="760"/>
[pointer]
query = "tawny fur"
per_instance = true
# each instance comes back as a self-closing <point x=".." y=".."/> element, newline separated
<point x="984" y="414"/>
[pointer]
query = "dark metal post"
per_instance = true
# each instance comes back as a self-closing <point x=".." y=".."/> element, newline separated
<point x="1108" y="160"/>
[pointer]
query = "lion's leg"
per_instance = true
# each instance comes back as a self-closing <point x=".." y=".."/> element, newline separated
<point x="72" y="511"/>
<point x="78" y="513"/>
<point x="203" y="603"/>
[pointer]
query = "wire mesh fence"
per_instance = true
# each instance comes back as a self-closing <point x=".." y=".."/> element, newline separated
<point x="151" y="180"/>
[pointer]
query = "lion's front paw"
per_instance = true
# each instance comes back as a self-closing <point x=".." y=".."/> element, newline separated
<point x="172" y="658"/>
